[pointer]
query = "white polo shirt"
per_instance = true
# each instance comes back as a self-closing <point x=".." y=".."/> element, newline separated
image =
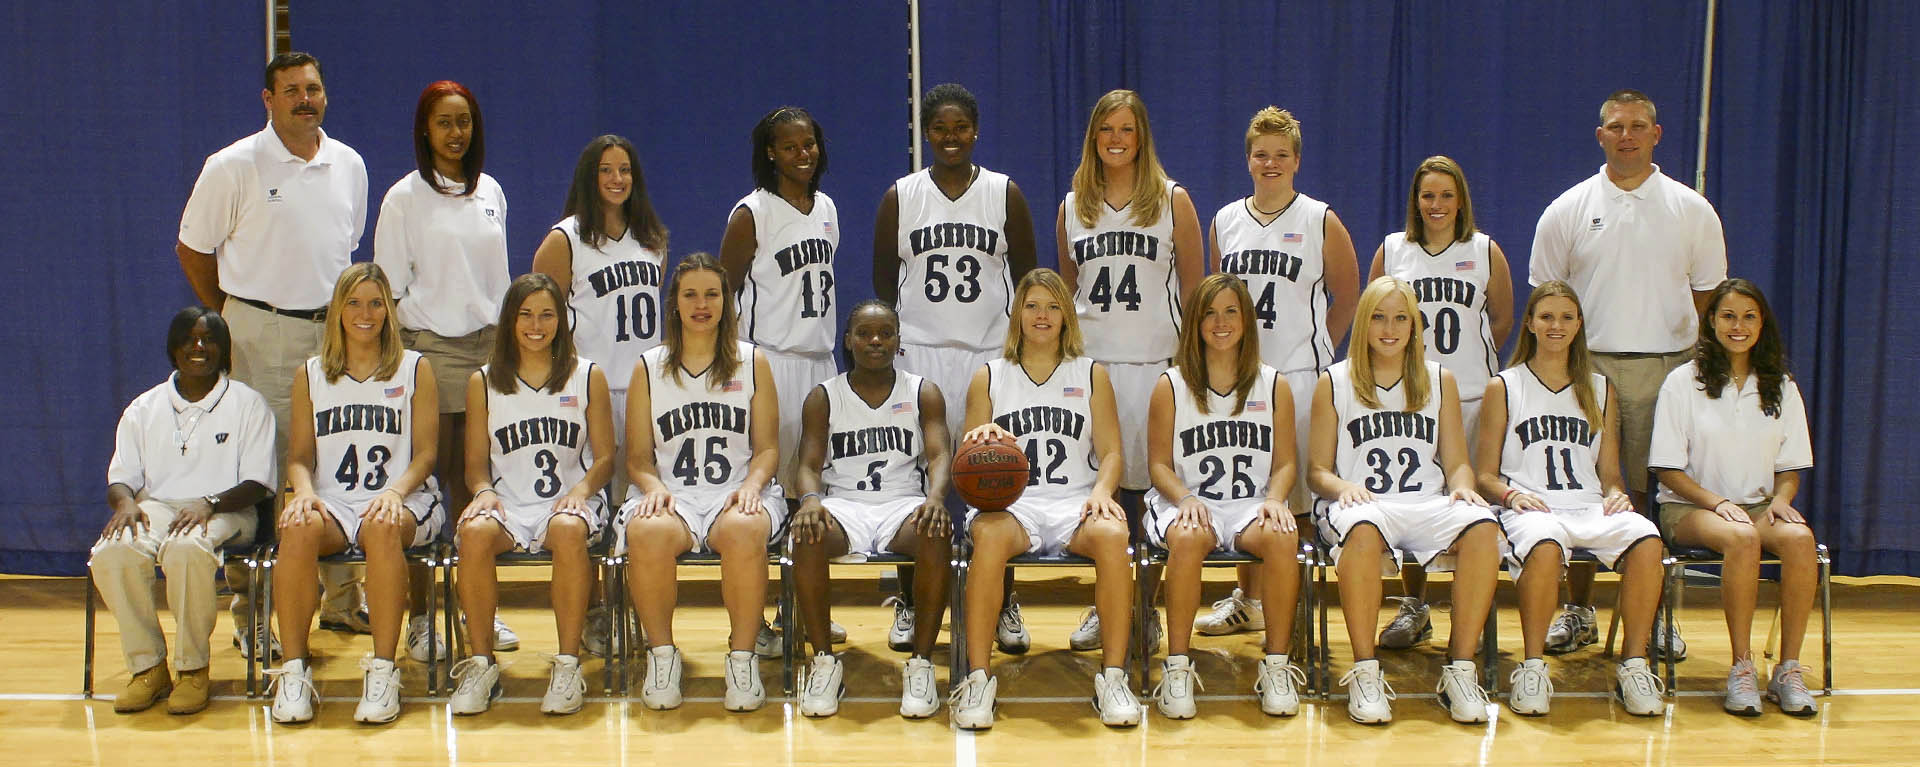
<point x="1728" y="445"/>
<point x="446" y="254"/>
<point x="282" y="227"/>
<point x="176" y="450"/>
<point x="1635" y="257"/>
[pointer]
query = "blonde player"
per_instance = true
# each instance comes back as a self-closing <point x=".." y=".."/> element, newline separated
<point x="1297" y="260"/>
<point x="360" y="462"/>
<point x="1388" y="452"/>
<point x="1053" y="402"/>
<point x="1130" y="251"/>
<point x="702" y="448"/>
<point x="874" y="467"/>
<point x="1220" y="436"/>
<point x="539" y="454"/>
<point x="1466" y="309"/>
<point x="1549" y="449"/>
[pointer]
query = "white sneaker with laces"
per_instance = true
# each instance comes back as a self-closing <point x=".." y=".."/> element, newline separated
<point x="246" y="645"/>
<point x="1571" y="630"/>
<point x="661" y="690"/>
<point x="423" y="638"/>
<point x="1233" y="614"/>
<point x="836" y="633"/>
<point x="1672" y="632"/>
<point x="744" y="690"/>
<point x="900" y="636"/>
<point x="1087" y="636"/>
<point x="1743" y="689"/>
<point x="1786" y="688"/>
<point x="1460" y="692"/>
<point x="504" y="640"/>
<point x="597" y="637"/>
<point x="379" y="691"/>
<point x="1113" y="699"/>
<point x="1637" y="688"/>
<point x="1410" y="625"/>
<point x="971" y="704"/>
<point x="1532" y="688"/>
<point x="1011" y="633"/>
<point x="294" y="693"/>
<point x="917" y="698"/>
<point x="566" y="690"/>
<point x="476" y="685"/>
<point x="766" y="644"/>
<point x="1279" y="686"/>
<point x="1174" y="695"/>
<point x="824" y="685"/>
<point x="1368" y="693"/>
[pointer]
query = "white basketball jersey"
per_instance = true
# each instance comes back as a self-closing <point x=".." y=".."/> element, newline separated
<point x="786" y="302"/>
<point x="363" y="434"/>
<point x="1052" y="421"/>
<point x="1452" y="287"/>
<point x="702" y="428"/>
<point x="874" y="453"/>
<point x="537" y="439"/>
<point x="1394" y="454"/>
<point x="1127" y="294"/>
<point x="955" y="284"/>
<point x="615" y="300"/>
<point x="1221" y="456"/>
<point x="1550" y="449"/>
<point x="1285" y="270"/>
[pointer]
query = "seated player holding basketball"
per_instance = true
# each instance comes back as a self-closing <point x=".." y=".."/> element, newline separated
<point x="539" y="455"/>
<point x="1045" y="397"/>
<point x="191" y="457"/>
<point x="1549" y="449"/>
<point x="873" y="478"/>
<point x="702" y="447"/>
<point x="1221" y="452"/>
<point x="1388" y="456"/>
<point x="366" y="414"/>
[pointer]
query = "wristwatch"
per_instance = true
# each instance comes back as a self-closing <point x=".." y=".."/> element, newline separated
<point x="213" y="501"/>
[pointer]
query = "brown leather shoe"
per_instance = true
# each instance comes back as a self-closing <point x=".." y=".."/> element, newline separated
<point x="143" y="690"/>
<point x="190" y="692"/>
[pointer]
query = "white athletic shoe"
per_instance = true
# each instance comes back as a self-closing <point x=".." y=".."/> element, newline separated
<point x="1174" y="695"/>
<point x="246" y="645"/>
<point x="423" y="637"/>
<point x="566" y="690"/>
<point x="354" y="621"/>
<point x="661" y="690"/>
<point x="1368" y="694"/>
<point x="1571" y="630"/>
<point x="1638" y="689"/>
<point x="917" y="697"/>
<point x="836" y="633"/>
<point x="971" y="704"/>
<point x="1743" y="689"/>
<point x="476" y="685"/>
<point x="1410" y="625"/>
<point x="823" y="686"/>
<point x="1532" y="688"/>
<point x="379" y="691"/>
<point x="504" y="640"/>
<point x="1011" y="634"/>
<point x="1113" y="699"/>
<point x="1279" y="686"/>
<point x="1233" y="614"/>
<point x="1673" y="638"/>
<point x="1787" y="689"/>
<point x="1460" y="692"/>
<point x="766" y="644"/>
<point x="596" y="639"/>
<point x="900" y="636"/>
<point x="1087" y="636"/>
<point x="294" y="693"/>
<point x="744" y="691"/>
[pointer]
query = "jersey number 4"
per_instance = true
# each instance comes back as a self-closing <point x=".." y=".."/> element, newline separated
<point x="1104" y="294"/>
<point x="348" y="475"/>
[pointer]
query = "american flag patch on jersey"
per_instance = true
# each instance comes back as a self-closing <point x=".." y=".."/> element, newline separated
<point x="902" y="407"/>
<point x="1290" y="237"/>
<point x="568" y="400"/>
<point x="827" y="226"/>
<point x="396" y="391"/>
<point x="1257" y="406"/>
<point x="1463" y="266"/>
<point x="1074" y="391"/>
<point x="733" y="385"/>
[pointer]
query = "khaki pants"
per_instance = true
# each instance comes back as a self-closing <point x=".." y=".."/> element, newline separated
<point x="1636" y="380"/>
<point x="123" y="571"/>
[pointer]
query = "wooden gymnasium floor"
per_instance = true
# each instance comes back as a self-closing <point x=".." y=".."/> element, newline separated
<point x="1044" y="714"/>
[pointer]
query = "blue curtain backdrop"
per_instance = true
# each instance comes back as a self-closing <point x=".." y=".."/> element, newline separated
<point x="1805" y="165"/>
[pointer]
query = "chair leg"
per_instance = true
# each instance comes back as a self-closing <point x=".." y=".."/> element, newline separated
<point x="957" y="617"/>
<point x="1674" y="583"/>
<point x="1490" y="648"/>
<point x="431" y="560"/>
<point x="1142" y="616"/>
<point x="259" y="615"/>
<point x="1772" y="647"/>
<point x="1826" y="622"/>
<point x="789" y="627"/>
<point x="86" y="666"/>
<point x="1325" y="660"/>
<point x="1613" y="629"/>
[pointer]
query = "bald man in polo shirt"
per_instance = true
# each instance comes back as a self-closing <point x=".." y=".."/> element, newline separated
<point x="1643" y="251"/>
<point x="271" y="224"/>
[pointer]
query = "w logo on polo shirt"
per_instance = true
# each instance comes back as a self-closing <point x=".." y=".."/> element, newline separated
<point x="220" y="439"/>
<point x="273" y="195"/>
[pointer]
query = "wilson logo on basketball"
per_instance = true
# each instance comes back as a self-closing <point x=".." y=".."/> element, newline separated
<point x="999" y="483"/>
<point x="986" y="458"/>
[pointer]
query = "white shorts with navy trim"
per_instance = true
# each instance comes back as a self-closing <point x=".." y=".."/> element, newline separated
<point x="1606" y="536"/>
<point x="1230" y="518"/>
<point x="527" y="525"/>
<point x="429" y="516"/>
<point x="1423" y="528"/>
<point x="870" y="527"/>
<point x="1050" y="523"/>
<point x="698" y="511"/>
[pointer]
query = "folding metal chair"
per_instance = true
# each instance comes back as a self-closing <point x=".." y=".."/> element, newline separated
<point x="433" y="555"/>
<point x="599" y="552"/>
<point x="620" y="647"/>
<point x="1149" y="555"/>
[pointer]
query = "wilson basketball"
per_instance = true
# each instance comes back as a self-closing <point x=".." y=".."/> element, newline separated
<point x="990" y="476"/>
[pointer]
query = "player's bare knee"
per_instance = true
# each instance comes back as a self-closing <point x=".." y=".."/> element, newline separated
<point x="1190" y="542"/>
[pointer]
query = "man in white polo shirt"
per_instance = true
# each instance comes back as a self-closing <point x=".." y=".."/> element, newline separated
<point x="271" y="224"/>
<point x="1643" y="251"/>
